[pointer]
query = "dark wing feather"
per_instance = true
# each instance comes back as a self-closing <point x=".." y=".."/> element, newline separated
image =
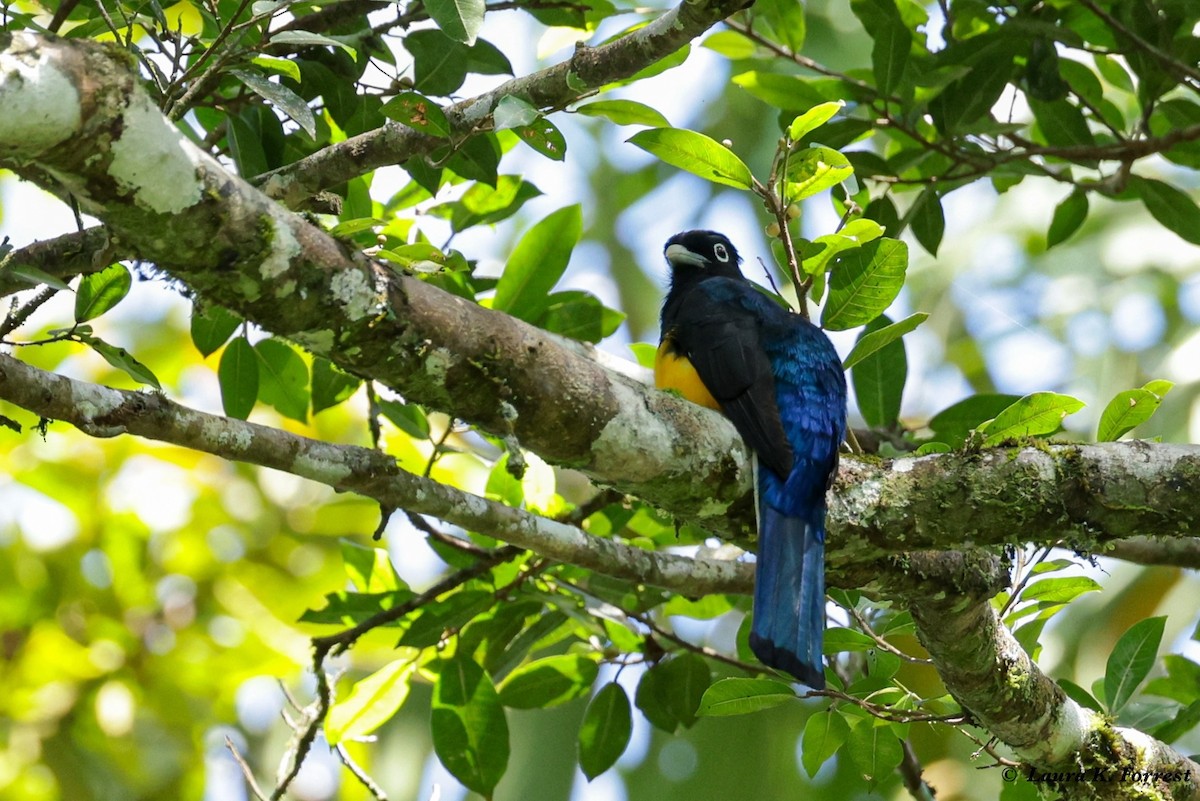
<point x="722" y="342"/>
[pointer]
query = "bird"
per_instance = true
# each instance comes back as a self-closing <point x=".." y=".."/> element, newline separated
<point x="728" y="345"/>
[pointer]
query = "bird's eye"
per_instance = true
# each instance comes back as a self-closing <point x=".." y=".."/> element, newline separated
<point x="721" y="253"/>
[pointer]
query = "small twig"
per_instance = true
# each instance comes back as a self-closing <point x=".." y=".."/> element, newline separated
<point x="366" y="781"/>
<point x="249" y="774"/>
<point x="881" y="642"/>
<point x="910" y="771"/>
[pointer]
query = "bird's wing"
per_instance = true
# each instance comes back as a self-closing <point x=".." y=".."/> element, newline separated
<point x="721" y="339"/>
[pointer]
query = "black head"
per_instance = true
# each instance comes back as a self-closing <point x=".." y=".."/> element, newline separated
<point x="702" y="254"/>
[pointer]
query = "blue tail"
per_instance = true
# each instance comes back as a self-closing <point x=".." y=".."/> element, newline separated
<point x="789" y="595"/>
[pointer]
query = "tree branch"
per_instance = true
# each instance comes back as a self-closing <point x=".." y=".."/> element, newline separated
<point x="588" y="69"/>
<point x="990" y="674"/>
<point x="237" y="248"/>
<point x="104" y="412"/>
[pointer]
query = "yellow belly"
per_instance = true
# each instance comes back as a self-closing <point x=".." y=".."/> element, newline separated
<point x="674" y="371"/>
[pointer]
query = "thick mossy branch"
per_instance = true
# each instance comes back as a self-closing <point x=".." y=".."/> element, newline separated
<point x="990" y="674"/>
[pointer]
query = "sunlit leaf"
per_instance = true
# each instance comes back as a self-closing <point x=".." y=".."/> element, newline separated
<point x="371" y="702"/>
<point x="1035" y="415"/>
<point x="863" y="283"/>
<point x="814" y="118"/>
<point x="99" y="292"/>
<point x="1129" y="409"/>
<point x="625" y="112"/>
<point x="869" y="343"/>
<point x="695" y="153"/>
<point x="815" y="169"/>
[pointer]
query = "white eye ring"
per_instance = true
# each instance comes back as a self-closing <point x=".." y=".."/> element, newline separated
<point x="720" y="252"/>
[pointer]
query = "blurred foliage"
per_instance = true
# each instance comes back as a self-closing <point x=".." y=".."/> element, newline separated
<point x="150" y="597"/>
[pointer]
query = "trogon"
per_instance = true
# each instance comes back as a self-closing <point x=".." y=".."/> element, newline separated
<point x="727" y="345"/>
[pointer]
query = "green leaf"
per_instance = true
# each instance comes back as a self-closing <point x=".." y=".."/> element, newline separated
<point x="1182" y="682"/>
<point x="686" y="678"/>
<point x="282" y="378"/>
<point x="731" y="44"/>
<point x="863" y="283"/>
<point x="282" y="98"/>
<point x="815" y="169"/>
<point x="352" y="608"/>
<point x="651" y="699"/>
<point x="34" y="277"/>
<point x="1068" y="216"/>
<point x="121" y="359"/>
<point x="545" y="138"/>
<point x="513" y="111"/>
<point x="1059" y="590"/>
<point x="477" y="159"/>
<point x="784" y="91"/>
<point x="549" y="682"/>
<point x="1129" y="409"/>
<point x="786" y="21"/>
<point x="838" y="640"/>
<point x="737" y="696"/>
<point x="953" y="423"/>
<point x="439" y="63"/>
<point x="874" y="750"/>
<point x="1061" y="123"/>
<point x="330" y="384"/>
<point x="695" y="153"/>
<point x="408" y="417"/>
<point x="1184" y="721"/>
<point x="306" y="39"/>
<point x="470" y="731"/>
<point x="1036" y="415"/>
<point x="889" y="55"/>
<point x="211" y="327"/>
<point x="1080" y="695"/>
<point x="579" y="315"/>
<point x="604" y="733"/>
<point x="99" y="292"/>
<point x="818" y="253"/>
<point x="458" y="19"/>
<point x="371" y="702"/>
<point x="536" y="264"/>
<point x="824" y="733"/>
<point x="453" y="612"/>
<point x="284" y="66"/>
<point x="929" y="223"/>
<point x="1170" y="206"/>
<point x="369" y="569"/>
<point x="880" y="338"/>
<point x="625" y="112"/>
<point x="1131" y="660"/>
<point x="814" y="118"/>
<point x="879" y="379"/>
<point x="238" y="376"/>
<point x="417" y="112"/>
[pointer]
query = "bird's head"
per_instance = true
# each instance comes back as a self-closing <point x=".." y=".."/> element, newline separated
<point x="702" y="254"/>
